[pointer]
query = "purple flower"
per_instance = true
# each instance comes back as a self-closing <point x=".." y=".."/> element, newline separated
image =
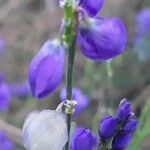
<point x="107" y="127"/>
<point x="5" y="143"/>
<point x="46" y="69"/>
<point x="77" y="95"/>
<point x="121" y="141"/>
<point x="130" y="126"/>
<point x="120" y="128"/>
<point x="92" y="7"/>
<point x="102" y="38"/>
<point x="143" y="22"/>
<point x="124" y="110"/>
<point x="4" y="96"/>
<point x="20" y="89"/>
<point x="83" y="139"/>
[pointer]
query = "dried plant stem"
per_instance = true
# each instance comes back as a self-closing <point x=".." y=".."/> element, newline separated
<point x="12" y="132"/>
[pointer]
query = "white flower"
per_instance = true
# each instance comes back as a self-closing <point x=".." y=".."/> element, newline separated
<point x="45" y="130"/>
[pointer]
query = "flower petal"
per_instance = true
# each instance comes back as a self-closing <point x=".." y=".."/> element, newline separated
<point x="46" y="69"/>
<point x="83" y="139"/>
<point x="104" y="38"/>
<point x="92" y="7"/>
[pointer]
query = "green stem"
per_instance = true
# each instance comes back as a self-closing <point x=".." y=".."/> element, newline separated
<point x="110" y="84"/>
<point x="68" y="18"/>
<point x="105" y="146"/>
<point x="109" y="68"/>
<point x="71" y="55"/>
<point x="69" y="40"/>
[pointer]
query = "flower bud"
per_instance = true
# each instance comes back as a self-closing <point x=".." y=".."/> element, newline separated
<point x="83" y="139"/>
<point x="130" y="126"/>
<point x="92" y="7"/>
<point x="121" y="141"/>
<point x="124" y="110"/>
<point x="44" y="130"/>
<point x="46" y="69"/>
<point x="102" y="38"/>
<point x="107" y="127"/>
<point x="77" y="95"/>
<point x="4" y="96"/>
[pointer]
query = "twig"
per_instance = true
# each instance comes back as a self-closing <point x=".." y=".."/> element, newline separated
<point x="142" y="98"/>
<point x="12" y="132"/>
<point x="9" y="7"/>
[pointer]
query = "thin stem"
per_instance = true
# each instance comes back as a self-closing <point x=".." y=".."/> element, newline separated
<point x="68" y="20"/>
<point x="71" y="55"/>
<point x="109" y="68"/>
<point x="110" y="84"/>
<point x="105" y="145"/>
<point x="69" y="39"/>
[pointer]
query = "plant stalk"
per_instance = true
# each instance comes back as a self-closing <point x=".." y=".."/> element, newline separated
<point x="69" y="39"/>
<point x="71" y="55"/>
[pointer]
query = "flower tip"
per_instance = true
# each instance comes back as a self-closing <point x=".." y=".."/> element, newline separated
<point x="121" y="141"/>
<point x="83" y="138"/>
<point x="91" y="7"/>
<point x="107" y="127"/>
<point x="46" y="69"/>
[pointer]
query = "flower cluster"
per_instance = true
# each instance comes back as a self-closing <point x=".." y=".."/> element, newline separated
<point x="118" y="128"/>
<point x="99" y="38"/>
<point x="52" y="132"/>
<point x="142" y="44"/>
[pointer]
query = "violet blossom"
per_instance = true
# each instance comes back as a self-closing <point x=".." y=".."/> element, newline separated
<point x="46" y="69"/>
<point x="118" y="128"/>
<point x="82" y="139"/>
<point x="102" y="38"/>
